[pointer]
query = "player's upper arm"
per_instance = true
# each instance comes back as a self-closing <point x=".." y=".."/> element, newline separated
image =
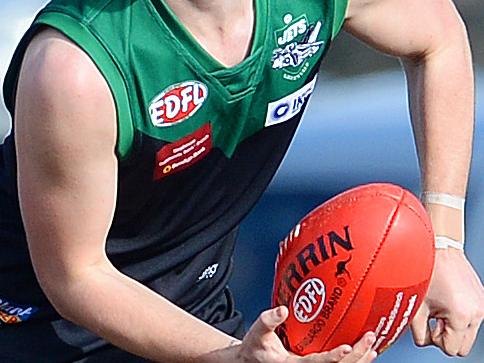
<point x="65" y="129"/>
<point x="406" y="28"/>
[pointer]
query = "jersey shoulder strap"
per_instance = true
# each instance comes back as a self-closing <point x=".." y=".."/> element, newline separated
<point x="340" y="8"/>
<point x="79" y="21"/>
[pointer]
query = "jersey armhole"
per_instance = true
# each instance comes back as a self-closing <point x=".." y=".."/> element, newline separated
<point x="340" y="8"/>
<point x="78" y="33"/>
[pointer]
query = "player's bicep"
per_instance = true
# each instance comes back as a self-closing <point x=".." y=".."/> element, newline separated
<point x="65" y="136"/>
<point x="409" y="28"/>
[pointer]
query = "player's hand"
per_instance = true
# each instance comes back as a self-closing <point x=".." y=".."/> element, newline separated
<point x="262" y="345"/>
<point x="456" y="300"/>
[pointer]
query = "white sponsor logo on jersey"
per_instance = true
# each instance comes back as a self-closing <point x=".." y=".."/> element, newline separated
<point x="209" y="272"/>
<point x="286" y="108"/>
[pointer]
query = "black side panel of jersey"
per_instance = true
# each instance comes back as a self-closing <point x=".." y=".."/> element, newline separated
<point x="191" y="213"/>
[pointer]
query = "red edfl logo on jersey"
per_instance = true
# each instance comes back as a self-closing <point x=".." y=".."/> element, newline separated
<point x="177" y="103"/>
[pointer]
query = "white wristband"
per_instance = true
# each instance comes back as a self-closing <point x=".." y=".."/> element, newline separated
<point x="451" y="201"/>
<point x="443" y="243"/>
<point x="447" y="200"/>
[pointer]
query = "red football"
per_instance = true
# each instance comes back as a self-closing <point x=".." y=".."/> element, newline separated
<point x="360" y="262"/>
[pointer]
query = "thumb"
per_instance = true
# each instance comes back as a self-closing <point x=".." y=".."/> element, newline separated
<point x="420" y="327"/>
<point x="269" y="320"/>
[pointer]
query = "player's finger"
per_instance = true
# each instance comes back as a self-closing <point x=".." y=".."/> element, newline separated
<point x="369" y="357"/>
<point x="333" y="356"/>
<point x="438" y="329"/>
<point x="362" y="352"/>
<point x="420" y="328"/>
<point x="450" y="341"/>
<point x="469" y="339"/>
<point x="268" y="321"/>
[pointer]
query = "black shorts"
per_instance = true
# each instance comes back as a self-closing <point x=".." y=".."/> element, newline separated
<point x="60" y="341"/>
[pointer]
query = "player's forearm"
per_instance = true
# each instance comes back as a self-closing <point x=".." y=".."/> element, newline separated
<point x="441" y="88"/>
<point x="138" y="320"/>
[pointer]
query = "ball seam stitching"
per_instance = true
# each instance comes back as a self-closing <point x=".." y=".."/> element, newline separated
<point x="367" y="270"/>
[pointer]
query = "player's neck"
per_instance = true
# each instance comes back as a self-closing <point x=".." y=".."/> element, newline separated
<point x="223" y="27"/>
<point x="219" y="9"/>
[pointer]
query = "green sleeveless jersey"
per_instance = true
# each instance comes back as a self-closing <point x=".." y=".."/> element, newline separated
<point x="197" y="144"/>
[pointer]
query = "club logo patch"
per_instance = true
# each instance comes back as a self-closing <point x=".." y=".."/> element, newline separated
<point x="290" y="106"/>
<point x="187" y="151"/>
<point x="177" y="103"/>
<point x="297" y="42"/>
<point x="12" y="313"/>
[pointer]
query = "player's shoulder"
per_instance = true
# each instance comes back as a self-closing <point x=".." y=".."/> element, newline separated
<point x="62" y="83"/>
<point x="53" y="61"/>
<point x="88" y="11"/>
<point x="85" y="8"/>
